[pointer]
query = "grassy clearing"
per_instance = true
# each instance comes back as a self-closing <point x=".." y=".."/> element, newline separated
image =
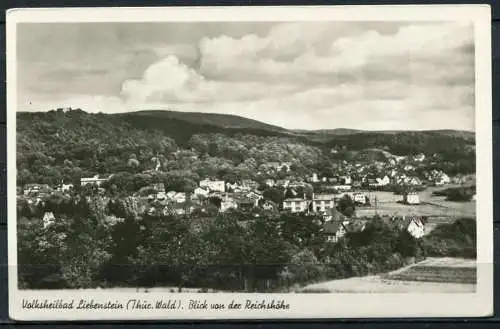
<point x="433" y="275"/>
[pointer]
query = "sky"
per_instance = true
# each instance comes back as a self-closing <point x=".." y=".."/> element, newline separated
<point x="297" y="75"/>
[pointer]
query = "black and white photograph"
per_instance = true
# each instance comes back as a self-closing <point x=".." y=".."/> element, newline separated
<point x="198" y="163"/>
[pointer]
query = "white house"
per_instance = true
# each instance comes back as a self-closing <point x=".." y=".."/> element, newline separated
<point x="346" y="180"/>
<point x="314" y="178"/>
<point x="414" y="181"/>
<point x="255" y="197"/>
<point x="359" y="198"/>
<point x="48" y="219"/>
<point x="408" y="168"/>
<point x="270" y="182"/>
<point x="213" y="185"/>
<point x="201" y="191"/>
<point x="419" y="157"/>
<point x="415" y="226"/>
<point x="228" y="203"/>
<point x="231" y="187"/>
<point x="411" y="198"/>
<point x="334" y="230"/>
<point x="322" y="202"/>
<point x="295" y="205"/>
<point x="442" y="179"/>
<point x="66" y="187"/>
<point x="180" y="197"/>
<point x="92" y="180"/>
<point x="36" y="189"/>
<point x="383" y="181"/>
<point x="342" y="187"/>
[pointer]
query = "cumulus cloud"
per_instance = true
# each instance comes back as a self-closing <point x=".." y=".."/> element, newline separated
<point x="317" y="75"/>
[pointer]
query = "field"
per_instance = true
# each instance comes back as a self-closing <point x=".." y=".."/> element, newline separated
<point x="433" y="206"/>
<point x="433" y="275"/>
<point x="438" y="270"/>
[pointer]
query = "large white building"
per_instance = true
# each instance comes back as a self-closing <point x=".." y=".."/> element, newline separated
<point x="214" y="185"/>
<point x="411" y="198"/>
<point x="295" y="205"/>
<point x="322" y="202"/>
<point x="92" y="180"/>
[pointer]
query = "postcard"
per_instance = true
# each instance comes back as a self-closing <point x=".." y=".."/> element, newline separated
<point x="250" y="162"/>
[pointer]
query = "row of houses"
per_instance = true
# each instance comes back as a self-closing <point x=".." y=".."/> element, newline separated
<point x="334" y="230"/>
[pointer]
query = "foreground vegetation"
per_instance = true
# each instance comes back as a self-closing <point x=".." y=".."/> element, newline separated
<point x="99" y="244"/>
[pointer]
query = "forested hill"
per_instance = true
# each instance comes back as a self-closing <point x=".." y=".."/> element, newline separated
<point x="198" y="118"/>
<point x="61" y="144"/>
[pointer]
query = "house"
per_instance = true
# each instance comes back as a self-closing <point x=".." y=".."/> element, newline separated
<point x="442" y="179"/>
<point x="411" y="198"/>
<point x="228" y="203"/>
<point x="314" y="178"/>
<point x="408" y="168"/>
<point x="269" y="205"/>
<point x="231" y="187"/>
<point x="213" y="185"/>
<point x="200" y="191"/>
<point x="270" y="182"/>
<point x="359" y="198"/>
<point x="342" y="187"/>
<point x="286" y="166"/>
<point x="48" y="219"/>
<point x="345" y="180"/>
<point x="415" y="181"/>
<point x="170" y="195"/>
<point x="415" y="225"/>
<point x="36" y="189"/>
<point x="180" y="197"/>
<point x="92" y="180"/>
<point x="383" y="181"/>
<point x="158" y="187"/>
<point x="255" y="197"/>
<point x="295" y="205"/>
<point x="419" y="157"/>
<point x="279" y="166"/>
<point x="334" y="231"/>
<point x="66" y="187"/>
<point x="321" y="202"/>
<point x="245" y="203"/>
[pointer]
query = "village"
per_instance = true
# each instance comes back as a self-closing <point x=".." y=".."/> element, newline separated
<point x="357" y="186"/>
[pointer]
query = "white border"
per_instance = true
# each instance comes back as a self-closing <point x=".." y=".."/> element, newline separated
<point x="479" y="303"/>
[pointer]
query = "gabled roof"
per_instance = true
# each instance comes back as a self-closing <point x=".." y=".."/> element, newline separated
<point x="294" y="199"/>
<point x="324" y="197"/>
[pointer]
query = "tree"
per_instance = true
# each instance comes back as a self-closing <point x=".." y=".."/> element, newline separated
<point x="346" y="206"/>
<point x="274" y="194"/>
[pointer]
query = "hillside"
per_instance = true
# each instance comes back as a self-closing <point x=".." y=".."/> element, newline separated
<point x="59" y="145"/>
<point x="226" y="121"/>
